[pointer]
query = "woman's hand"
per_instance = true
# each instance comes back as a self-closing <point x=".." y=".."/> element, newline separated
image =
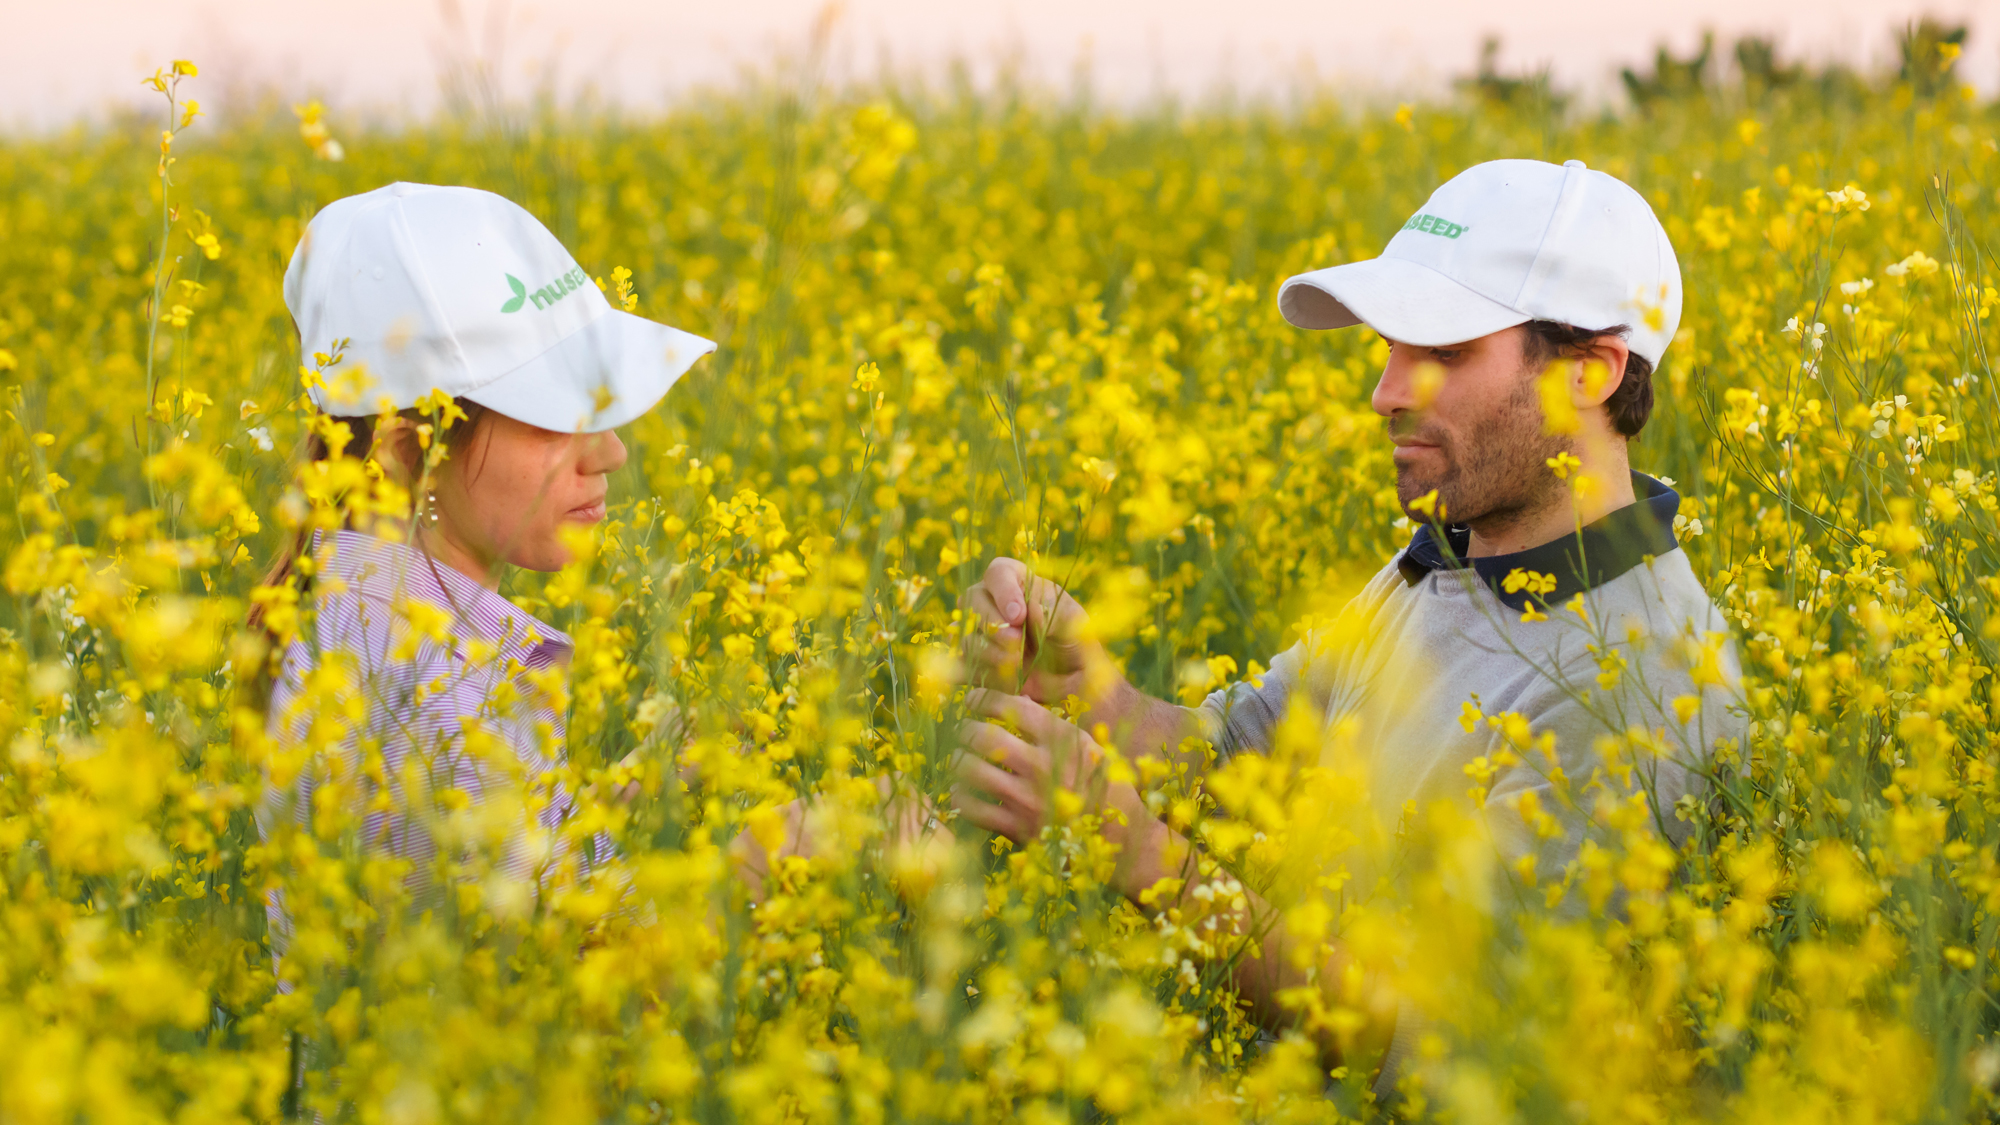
<point x="753" y="858"/>
<point x="908" y="817"/>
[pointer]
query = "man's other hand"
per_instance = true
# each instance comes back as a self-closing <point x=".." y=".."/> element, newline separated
<point x="1032" y="641"/>
<point x="1007" y="781"/>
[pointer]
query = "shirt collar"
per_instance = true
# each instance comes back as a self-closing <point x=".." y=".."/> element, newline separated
<point x="1594" y="555"/>
<point x="379" y="570"/>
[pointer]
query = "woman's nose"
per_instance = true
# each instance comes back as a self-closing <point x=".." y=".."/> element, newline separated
<point x="602" y="453"/>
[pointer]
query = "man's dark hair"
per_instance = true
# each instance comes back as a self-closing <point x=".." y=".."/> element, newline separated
<point x="1632" y="403"/>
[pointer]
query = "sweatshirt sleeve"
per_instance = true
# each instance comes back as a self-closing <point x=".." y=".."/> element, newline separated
<point x="1245" y="715"/>
<point x="1321" y="670"/>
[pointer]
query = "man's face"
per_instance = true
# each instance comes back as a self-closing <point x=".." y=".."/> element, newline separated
<point x="1467" y="421"/>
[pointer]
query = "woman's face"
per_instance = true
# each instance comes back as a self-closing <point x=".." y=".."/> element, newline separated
<point x="504" y="498"/>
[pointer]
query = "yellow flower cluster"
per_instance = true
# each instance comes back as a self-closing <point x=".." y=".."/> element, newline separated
<point x="953" y="328"/>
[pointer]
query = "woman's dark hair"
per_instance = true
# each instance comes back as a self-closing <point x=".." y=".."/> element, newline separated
<point x="1631" y="403"/>
<point x="313" y="448"/>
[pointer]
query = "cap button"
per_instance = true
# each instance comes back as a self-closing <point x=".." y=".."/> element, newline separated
<point x="400" y="189"/>
<point x="1566" y="164"/>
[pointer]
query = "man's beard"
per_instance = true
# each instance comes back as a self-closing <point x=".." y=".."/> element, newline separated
<point x="1500" y="473"/>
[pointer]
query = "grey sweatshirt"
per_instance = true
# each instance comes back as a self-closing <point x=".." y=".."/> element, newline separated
<point x="1387" y="681"/>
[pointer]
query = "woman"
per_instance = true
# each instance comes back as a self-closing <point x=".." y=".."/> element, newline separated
<point x="464" y="351"/>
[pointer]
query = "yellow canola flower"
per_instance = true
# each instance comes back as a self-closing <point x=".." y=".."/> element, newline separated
<point x="1429" y="505"/>
<point x="1918" y="265"/>
<point x="1559" y="414"/>
<point x="953" y="327"/>
<point x="1426" y="381"/>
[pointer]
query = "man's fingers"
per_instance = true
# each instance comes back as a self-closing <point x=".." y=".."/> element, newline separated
<point x="1035" y="720"/>
<point x="986" y="664"/>
<point x="989" y="743"/>
<point x="1001" y="647"/>
<point x="999" y="786"/>
<point x="1054" y="747"/>
<point x="997" y="647"/>
<point x="981" y="602"/>
<point x="1056" y="615"/>
<point x="1006" y="584"/>
<point x="984" y="813"/>
<point x="1013" y="591"/>
<point x="1010" y="596"/>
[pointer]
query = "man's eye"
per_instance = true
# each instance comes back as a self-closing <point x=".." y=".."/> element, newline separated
<point x="1445" y="355"/>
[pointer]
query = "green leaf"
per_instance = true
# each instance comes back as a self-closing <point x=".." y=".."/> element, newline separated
<point x="520" y="295"/>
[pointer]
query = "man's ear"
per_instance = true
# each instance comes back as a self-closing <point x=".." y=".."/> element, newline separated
<point x="1600" y="370"/>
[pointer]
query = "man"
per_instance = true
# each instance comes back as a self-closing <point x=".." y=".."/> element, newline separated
<point x="1526" y="306"/>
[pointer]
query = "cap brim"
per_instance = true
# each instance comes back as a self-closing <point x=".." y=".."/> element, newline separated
<point x="1404" y="301"/>
<point x="610" y="372"/>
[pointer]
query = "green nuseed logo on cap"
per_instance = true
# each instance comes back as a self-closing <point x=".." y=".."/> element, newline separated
<point x="548" y="294"/>
<point x="1431" y="224"/>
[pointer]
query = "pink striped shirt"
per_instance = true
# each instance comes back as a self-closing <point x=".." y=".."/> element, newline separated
<point x="404" y="651"/>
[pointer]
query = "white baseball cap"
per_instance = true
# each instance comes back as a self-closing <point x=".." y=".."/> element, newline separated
<point x="1503" y="243"/>
<point x="463" y="291"/>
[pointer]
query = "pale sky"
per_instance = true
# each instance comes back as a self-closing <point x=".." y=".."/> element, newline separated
<point x="81" y="57"/>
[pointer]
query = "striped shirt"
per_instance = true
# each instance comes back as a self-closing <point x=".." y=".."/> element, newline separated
<point x="406" y="655"/>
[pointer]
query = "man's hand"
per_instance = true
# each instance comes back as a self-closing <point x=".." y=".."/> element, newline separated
<point x="1007" y="783"/>
<point x="1033" y="642"/>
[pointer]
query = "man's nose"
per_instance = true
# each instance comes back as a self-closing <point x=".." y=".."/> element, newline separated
<point x="1394" y="391"/>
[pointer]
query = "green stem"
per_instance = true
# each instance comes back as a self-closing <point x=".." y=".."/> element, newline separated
<point x="159" y="278"/>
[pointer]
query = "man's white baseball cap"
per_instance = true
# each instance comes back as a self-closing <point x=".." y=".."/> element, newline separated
<point x="462" y="291"/>
<point x="1503" y="243"/>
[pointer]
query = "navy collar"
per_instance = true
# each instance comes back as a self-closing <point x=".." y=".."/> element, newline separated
<point x="1603" y="550"/>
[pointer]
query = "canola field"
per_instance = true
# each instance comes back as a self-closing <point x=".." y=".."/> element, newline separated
<point x="953" y="326"/>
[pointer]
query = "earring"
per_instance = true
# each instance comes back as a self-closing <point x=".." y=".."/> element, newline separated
<point x="431" y="505"/>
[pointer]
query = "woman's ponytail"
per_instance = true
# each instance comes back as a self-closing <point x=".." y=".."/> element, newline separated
<point x="266" y="645"/>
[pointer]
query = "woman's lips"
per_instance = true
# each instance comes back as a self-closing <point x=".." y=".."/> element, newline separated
<point x="588" y="513"/>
